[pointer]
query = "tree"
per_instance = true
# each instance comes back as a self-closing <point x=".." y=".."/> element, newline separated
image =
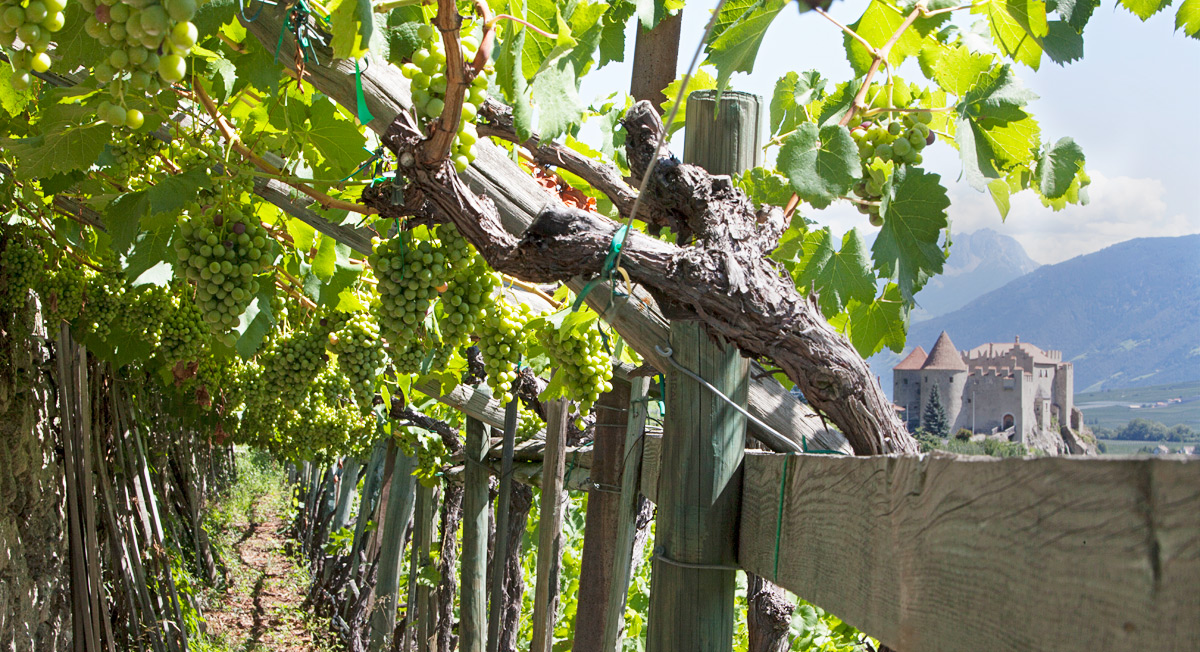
<point x="933" y="418"/>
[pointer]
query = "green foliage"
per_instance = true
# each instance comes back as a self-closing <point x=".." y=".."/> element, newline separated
<point x="933" y="417"/>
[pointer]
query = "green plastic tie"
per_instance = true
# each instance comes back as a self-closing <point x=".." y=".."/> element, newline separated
<point x="610" y="262"/>
<point x="364" y="114"/>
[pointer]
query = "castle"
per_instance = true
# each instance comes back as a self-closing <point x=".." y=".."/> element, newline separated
<point x="989" y="389"/>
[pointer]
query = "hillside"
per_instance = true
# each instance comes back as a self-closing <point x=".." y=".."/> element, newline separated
<point x="979" y="262"/>
<point x="1127" y="316"/>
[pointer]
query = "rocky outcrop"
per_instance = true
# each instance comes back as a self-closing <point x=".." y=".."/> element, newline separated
<point x="34" y="582"/>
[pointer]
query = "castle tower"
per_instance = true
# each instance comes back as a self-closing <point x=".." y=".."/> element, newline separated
<point x="944" y="368"/>
<point x="906" y="387"/>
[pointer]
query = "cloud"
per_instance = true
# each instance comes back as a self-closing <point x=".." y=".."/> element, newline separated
<point x="1121" y="208"/>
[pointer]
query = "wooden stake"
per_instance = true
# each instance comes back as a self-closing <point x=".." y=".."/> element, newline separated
<point x="472" y="629"/>
<point x="496" y="613"/>
<point x="545" y="597"/>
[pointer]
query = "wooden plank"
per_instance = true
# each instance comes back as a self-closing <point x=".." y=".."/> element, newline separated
<point x="692" y="586"/>
<point x="545" y="596"/>
<point x="627" y="508"/>
<point x="945" y="553"/>
<point x="472" y="629"/>
<point x="655" y="57"/>
<point x="651" y="459"/>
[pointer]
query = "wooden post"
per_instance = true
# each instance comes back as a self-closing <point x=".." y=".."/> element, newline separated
<point x="600" y="529"/>
<point x="704" y="438"/>
<point x="496" y="614"/>
<point x="655" y="58"/>
<point x="627" y="509"/>
<point x="545" y="598"/>
<point x="472" y="629"/>
<point x="400" y="501"/>
<point x="349" y="482"/>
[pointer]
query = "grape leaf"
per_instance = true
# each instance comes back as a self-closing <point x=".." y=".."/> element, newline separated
<point x="958" y="70"/>
<point x="1187" y="18"/>
<point x="132" y="212"/>
<point x="876" y="323"/>
<point x="837" y="276"/>
<point x="877" y="26"/>
<point x="1057" y="166"/>
<point x="557" y="98"/>
<point x="336" y="137"/>
<point x="820" y="164"/>
<point x="1144" y="9"/>
<point x="914" y="213"/>
<point x="793" y="93"/>
<point x="1000" y="192"/>
<point x="256" y="322"/>
<point x="736" y="48"/>
<point x="401" y="31"/>
<point x="62" y="149"/>
<point x="325" y="261"/>
<point x="353" y="25"/>
<point x="650" y="12"/>
<point x="701" y="80"/>
<point x="256" y="67"/>
<point x="150" y="260"/>
<point x="223" y="74"/>
<point x="835" y="105"/>
<point x="12" y="100"/>
<point x="764" y="187"/>
<point x="1076" y="12"/>
<point x="303" y="236"/>
<point x="1063" y="44"/>
<point x="612" y="31"/>
<point x="211" y="15"/>
<point x="993" y="132"/>
<point x="1017" y="27"/>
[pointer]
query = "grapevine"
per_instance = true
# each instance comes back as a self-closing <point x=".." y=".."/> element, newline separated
<point x="61" y="290"/>
<point x="411" y="268"/>
<point x="360" y="356"/>
<point x="104" y="297"/>
<point x="894" y="139"/>
<point x="20" y="264"/>
<point x="580" y="355"/>
<point x="427" y="70"/>
<point x="467" y="292"/>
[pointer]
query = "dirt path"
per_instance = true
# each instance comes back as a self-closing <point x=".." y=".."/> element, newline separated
<point x="262" y="608"/>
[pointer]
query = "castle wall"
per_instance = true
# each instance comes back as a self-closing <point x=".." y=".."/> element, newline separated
<point x="951" y="385"/>
<point x="991" y="396"/>
<point x="906" y="392"/>
<point x="1063" y="395"/>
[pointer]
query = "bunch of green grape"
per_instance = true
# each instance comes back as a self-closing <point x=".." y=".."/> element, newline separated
<point x="411" y="268"/>
<point x="149" y="40"/>
<point x="327" y="423"/>
<point x="360" y="356"/>
<point x="502" y="342"/>
<point x="27" y="26"/>
<point x="222" y="249"/>
<point x="135" y="157"/>
<point x="61" y="291"/>
<point x="143" y="311"/>
<point x="291" y="363"/>
<point x="427" y="70"/>
<point x="21" y="263"/>
<point x="893" y="138"/>
<point x="104" y="293"/>
<point x="468" y="291"/>
<point x="182" y="331"/>
<point x="583" y="359"/>
<point x="528" y="424"/>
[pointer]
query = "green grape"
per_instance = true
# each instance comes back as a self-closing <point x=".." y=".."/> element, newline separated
<point x="34" y="22"/>
<point x="21" y="263"/>
<point x="61" y="291"/>
<point x="182" y="331"/>
<point x="583" y="360"/>
<point x="222" y="249"/>
<point x="468" y="291"/>
<point x="502" y="342"/>
<point x="143" y="312"/>
<point x="528" y="424"/>
<point x="359" y="352"/>
<point x="104" y="297"/>
<point x="412" y="270"/>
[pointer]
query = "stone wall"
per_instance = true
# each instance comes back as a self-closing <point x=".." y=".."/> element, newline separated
<point x="34" y="560"/>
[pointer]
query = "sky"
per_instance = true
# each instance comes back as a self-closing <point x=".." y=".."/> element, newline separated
<point x="1132" y="103"/>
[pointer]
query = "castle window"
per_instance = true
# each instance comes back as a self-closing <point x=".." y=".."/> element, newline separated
<point x="905" y="381"/>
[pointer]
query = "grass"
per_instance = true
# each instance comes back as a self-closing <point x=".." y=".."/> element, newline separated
<point x="1112" y="416"/>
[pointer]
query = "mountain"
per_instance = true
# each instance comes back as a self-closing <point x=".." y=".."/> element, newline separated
<point x="979" y="262"/>
<point x="1126" y="316"/>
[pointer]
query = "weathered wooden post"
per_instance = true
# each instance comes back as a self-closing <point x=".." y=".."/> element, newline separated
<point x="472" y="629"/>
<point x="545" y="600"/>
<point x="400" y="499"/>
<point x="699" y="489"/>
<point x="500" y="553"/>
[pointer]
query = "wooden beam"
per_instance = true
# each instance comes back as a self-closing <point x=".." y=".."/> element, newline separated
<point x="500" y="552"/>
<point x="400" y="500"/>
<point x="627" y="511"/>
<point x="655" y="58"/>
<point x="545" y="597"/>
<point x="472" y="629"/>
<point x="951" y="553"/>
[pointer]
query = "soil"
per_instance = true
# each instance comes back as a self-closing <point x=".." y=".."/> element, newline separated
<point x="262" y="609"/>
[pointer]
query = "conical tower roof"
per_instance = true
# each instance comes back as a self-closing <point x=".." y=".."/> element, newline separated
<point x="944" y="356"/>
<point x="913" y="361"/>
